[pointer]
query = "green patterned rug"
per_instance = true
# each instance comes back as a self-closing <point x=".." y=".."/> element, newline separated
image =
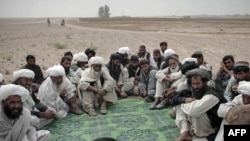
<point x="128" y="120"/>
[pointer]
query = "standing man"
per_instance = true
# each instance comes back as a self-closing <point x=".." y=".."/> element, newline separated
<point x="94" y="92"/>
<point x="197" y="117"/>
<point x="14" y="119"/>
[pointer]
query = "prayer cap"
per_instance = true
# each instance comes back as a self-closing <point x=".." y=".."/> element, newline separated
<point x="244" y="87"/>
<point x="23" y="73"/>
<point x="198" y="72"/>
<point x="11" y="89"/>
<point x="168" y="52"/>
<point x="80" y="57"/>
<point x="96" y="60"/>
<point x="56" y="70"/>
<point x="241" y="63"/>
<point x="1" y="77"/>
<point x="124" y="50"/>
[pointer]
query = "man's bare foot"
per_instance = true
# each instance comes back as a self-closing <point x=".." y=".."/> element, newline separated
<point x="185" y="136"/>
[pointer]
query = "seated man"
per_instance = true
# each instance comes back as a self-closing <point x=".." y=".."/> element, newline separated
<point x="31" y="64"/>
<point x="125" y="52"/>
<point x="132" y="70"/>
<point x="116" y="69"/>
<point x="14" y="119"/>
<point x="41" y="115"/>
<point x="79" y="63"/>
<point x="241" y="72"/>
<point x="224" y="73"/>
<point x="93" y="91"/>
<point x="158" y="59"/>
<point x="70" y="74"/>
<point x="164" y="81"/>
<point x="90" y="53"/>
<point x="58" y="92"/>
<point x="242" y="99"/>
<point x="197" y="117"/>
<point x="147" y="83"/>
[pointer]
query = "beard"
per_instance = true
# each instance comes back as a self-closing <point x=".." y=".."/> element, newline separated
<point x="198" y="93"/>
<point x="13" y="113"/>
<point x="174" y="70"/>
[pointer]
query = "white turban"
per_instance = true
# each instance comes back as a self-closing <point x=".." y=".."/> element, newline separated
<point x="189" y="60"/>
<point x="80" y="57"/>
<point x="11" y="89"/>
<point x="23" y="73"/>
<point x="244" y="87"/>
<point x="56" y="70"/>
<point x="1" y="77"/>
<point x="168" y="52"/>
<point x="124" y="50"/>
<point x="96" y="60"/>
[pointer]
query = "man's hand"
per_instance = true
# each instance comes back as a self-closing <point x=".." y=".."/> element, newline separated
<point x="188" y="100"/>
<point x="48" y="114"/>
<point x="63" y="91"/>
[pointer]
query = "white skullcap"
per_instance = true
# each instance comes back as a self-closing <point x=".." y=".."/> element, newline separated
<point x="244" y="87"/>
<point x="1" y="77"/>
<point x="56" y="70"/>
<point x="23" y="73"/>
<point x="80" y="57"/>
<point x="189" y="60"/>
<point x="96" y="60"/>
<point x="124" y="50"/>
<point x="168" y="52"/>
<point x="11" y="89"/>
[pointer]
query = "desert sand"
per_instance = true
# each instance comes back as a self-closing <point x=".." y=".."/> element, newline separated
<point x="214" y="37"/>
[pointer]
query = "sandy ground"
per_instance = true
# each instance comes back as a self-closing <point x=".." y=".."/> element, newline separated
<point x="214" y="37"/>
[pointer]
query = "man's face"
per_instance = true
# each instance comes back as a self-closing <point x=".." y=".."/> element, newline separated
<point x="66" y="63"/>
<point x="57" y="79"/>
<point x="229" y="64"/>
<point x="90" y="55"/>
<point x="134" y="64"/>
<point x="145" y="68"/>
<point x="25" y="82"/>
<point x="240" y="76"/>
<point x="142" y="51"/>
<point x="116" y="62"/>
<point x="157" y="56"/>
<point x="199" y="60"/>
<point x="173" y="64"/>
<point x="13" y="106"/>
<point x="31" y="62"/>
<point x="246" y="99"/>
<point x="163" y="48"/>
<point x="97" y="67"/>
<point x="197" y="83"/>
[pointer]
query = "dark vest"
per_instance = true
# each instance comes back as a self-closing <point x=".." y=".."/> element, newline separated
<point x="215" y="120"/>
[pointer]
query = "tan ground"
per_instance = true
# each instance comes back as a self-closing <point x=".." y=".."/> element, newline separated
<point x="214" y="37"/>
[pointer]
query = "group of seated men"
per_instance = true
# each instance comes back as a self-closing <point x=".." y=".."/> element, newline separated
<point x="202" y="101"/>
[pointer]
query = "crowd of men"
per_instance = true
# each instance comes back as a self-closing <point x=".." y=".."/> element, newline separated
<point x="202" y="101"/>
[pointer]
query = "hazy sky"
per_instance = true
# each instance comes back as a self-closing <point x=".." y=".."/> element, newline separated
<point x="135" y="8"/>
